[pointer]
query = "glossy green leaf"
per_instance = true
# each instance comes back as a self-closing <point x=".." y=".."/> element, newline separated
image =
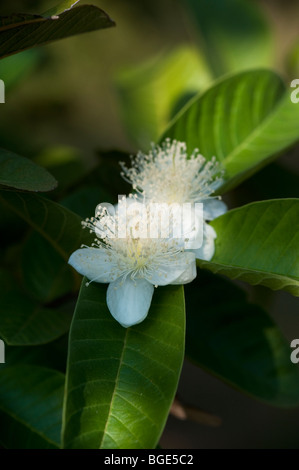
<point x="21" y="173"/>
<point x="121" y="382"/>
<point x="238" y="342"/>
<point x="58" y="225"/>
<point x="149" y="92"/>
<point x="244" y="121"/>
<point x="258" y="243"/>
<point x="23" y="31"/>
<point x="46" y="275"/>
<point x="23" y="321"/>
<point x="233" y="34"/>
<point x="30" y="407"/>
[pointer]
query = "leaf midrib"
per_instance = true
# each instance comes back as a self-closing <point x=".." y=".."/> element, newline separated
<point x="255" y="132"/>
<point x="115" y="387"/>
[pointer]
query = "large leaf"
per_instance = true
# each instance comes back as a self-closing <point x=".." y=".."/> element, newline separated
<point x="30" y="407"/>
<point x="233" y="34"/>
<point x="149" y="92"/>
<point x="121" y="382"/>
<point x="244" y="121"/>
<point x="238" y="341"/>
<point x="61" y="227"/>
<point x="258" y="243"/>
<point x="22" y="31"/>
<point x="23" y="321"/>
<point x="21" y="173"/>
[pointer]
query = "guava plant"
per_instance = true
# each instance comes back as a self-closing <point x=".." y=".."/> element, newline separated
<point x="76" y="376"/>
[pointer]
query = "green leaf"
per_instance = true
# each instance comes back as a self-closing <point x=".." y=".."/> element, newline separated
<point x="149" y="92"/>
<point x="233" y="34"/>
<point x="21" y="173"/>
<point x="46" y="275"/>
<point x="244" y="121"/>
<point x="59" y="226"/>
<point x="238" y="342"/>
<point x="258" y="243"/>
<point x="23" y="322"/>
<point x="23" y="31"/>
<point x="30" y="407"/>
<point x="60" y="8"/>
<point x="121" y="382"/>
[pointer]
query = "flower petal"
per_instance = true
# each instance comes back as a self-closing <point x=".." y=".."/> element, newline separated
<point x="213" y="208"/>
<point x="182" y="267"/>
<point x="129" y="300"/>
<point x="207" y="250"/>
<point x="95" y="264"/>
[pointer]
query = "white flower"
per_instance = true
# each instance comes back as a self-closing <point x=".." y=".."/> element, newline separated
<point x="132" y="265"/>
<point x="168" y="175"/>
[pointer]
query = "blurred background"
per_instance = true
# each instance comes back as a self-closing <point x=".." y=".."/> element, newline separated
<point x="102" y="91"/>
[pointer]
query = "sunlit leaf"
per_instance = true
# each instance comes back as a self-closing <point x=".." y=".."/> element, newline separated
<point x="244" y="120"/>
<point x="258" y="243"/>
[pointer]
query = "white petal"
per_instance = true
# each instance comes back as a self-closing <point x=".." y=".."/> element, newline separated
<point x="94" y="263"/>
<point x="213" y="208"/>
<point x="181" y="267"/>
<point x="129" y="300"/>
<point x="207" y="250"/>
<point x="190" y="272"/>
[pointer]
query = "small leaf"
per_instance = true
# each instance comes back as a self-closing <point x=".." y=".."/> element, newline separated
<point x="30" y="407"/>
<point x="238" y="342"/>
<point x="19" y="32"/>
<point x="121" y="382"/>
<point x="258" y="244"/>
<point x="244" y="120"/>
<point x="21" y="173"/>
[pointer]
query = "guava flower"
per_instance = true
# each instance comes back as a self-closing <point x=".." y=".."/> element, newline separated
<point x="131" y="264"/>
<point x="167" y="174"/>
